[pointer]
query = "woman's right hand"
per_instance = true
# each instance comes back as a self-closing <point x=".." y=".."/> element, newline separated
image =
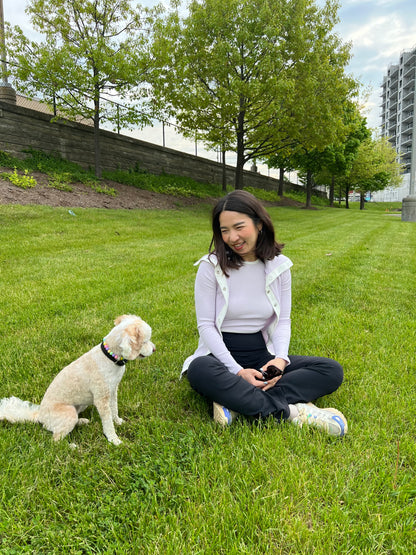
<point x="253" y="376"/>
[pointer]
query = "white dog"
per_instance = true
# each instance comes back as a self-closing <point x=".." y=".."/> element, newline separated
<point x="92" y="379"/>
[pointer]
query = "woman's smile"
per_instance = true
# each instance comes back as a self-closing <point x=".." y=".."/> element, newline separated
<point x="240" y="233"/>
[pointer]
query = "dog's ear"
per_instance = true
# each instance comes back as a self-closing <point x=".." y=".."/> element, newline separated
<point x="132" y="340"/>
<point x="135" y="332"/>
<point x="119" y="319"/>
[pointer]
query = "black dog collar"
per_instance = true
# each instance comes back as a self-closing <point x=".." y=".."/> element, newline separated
<point x="117" y="359"/>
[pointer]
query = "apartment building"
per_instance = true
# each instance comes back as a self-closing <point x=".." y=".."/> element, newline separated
<point x="398" y="120"/>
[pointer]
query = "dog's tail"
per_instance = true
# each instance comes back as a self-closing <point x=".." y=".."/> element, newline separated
<point x="13" y="410"/>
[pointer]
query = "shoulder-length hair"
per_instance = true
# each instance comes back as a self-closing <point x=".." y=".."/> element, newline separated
<point x="245" y="203"/>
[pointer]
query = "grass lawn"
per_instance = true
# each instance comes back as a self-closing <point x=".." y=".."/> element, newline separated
<point x="178" y="484"/>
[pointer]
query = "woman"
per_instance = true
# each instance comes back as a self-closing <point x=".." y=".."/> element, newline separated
<point x="243" y="303"/>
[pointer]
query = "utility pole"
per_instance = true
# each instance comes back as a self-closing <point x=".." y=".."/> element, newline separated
<point x="7" y="93"/>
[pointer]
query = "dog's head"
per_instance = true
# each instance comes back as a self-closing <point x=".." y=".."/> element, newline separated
<point x="131" y="337"/>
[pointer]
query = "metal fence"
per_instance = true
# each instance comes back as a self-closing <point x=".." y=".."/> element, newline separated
<point x="161" y="132"/>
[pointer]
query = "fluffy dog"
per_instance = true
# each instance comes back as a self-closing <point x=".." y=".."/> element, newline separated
<point x="92" y="379"/>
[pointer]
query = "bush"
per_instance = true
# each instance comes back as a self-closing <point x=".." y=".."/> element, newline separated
<point x="262" y="194"/>
<point x="164" y="183"/>
<point x="24" y="181"/>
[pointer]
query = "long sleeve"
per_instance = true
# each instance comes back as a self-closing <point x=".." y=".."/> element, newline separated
<point x="281" y="334"/>
<point x="206" y="307"/>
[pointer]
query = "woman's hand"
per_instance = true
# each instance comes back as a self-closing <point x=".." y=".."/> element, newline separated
<point x="253" y="376"/>
<point x="270" y="383"/>
<point x="278" y="363"/>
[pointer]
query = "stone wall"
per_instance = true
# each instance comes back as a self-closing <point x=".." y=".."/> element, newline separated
<point x="22" y="128"/>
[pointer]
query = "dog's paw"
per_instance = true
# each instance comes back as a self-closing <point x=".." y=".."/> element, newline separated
<point x="118" y="421"/>
<point x="82" y="421"/>
<point x="115" y="440"/>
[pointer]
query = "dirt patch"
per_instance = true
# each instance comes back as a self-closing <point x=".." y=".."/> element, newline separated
<point x="127" y="197"/>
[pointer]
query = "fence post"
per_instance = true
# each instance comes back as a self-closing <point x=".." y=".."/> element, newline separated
<point x="7" y="92"/>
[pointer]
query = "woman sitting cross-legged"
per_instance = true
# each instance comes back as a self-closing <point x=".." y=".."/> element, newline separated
<point x="243" y="303"/>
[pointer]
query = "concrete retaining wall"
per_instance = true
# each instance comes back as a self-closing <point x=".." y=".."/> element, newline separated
<point x="22" y="128"/>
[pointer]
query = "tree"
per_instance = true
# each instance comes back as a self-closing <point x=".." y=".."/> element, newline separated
<point x="338" y="158"/>
<point x="90" y="48"/>
<point x="253" y="76"/>
<point x="309" y="161"/>
<point x="375" y="166"/>
<point x="321" y="165"/>
<point x="283" y="162"/>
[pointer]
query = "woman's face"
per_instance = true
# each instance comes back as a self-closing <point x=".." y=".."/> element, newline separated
<point x="240" y="233"/>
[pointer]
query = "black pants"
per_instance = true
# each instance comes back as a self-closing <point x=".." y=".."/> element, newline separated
<point x="305" y="379"/>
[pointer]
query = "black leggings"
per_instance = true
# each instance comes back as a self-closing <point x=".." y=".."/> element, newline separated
<point x="305" y="379"/>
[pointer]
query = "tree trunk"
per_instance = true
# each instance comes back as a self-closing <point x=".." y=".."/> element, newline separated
<point x="332" y="191"/>
<point x="347" y="200"/>
<point x="362" y="200"/>
<point x="281" y="181"/>
<point x="308" y="189"/>
<point x="240" y="147"/>
<point x="97" y="145"/>
<point x="224" y="173"/>
<point x="239" y="175"/>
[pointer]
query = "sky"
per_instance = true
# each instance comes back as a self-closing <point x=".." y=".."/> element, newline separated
<point x="379" y="31"/>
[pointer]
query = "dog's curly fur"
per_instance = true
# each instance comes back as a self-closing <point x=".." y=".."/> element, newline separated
<point x="92" y="379"/>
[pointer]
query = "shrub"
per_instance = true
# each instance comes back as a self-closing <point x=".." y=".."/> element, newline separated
<point x="24" y="181"/>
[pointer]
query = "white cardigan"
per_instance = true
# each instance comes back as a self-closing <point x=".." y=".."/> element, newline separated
<point x="211" y="303"/>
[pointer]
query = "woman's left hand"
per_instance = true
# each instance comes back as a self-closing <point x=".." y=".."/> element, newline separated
<point x="279" y="363"/>
<point x="270" y="383"/>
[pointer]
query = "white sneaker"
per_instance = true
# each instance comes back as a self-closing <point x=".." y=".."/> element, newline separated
<point x="338" y="412"/>
<point x="223" y="416"/>
<point x="330" y="420"/>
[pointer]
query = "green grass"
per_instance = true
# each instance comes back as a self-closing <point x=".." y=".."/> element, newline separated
<point x="178" y="484"/>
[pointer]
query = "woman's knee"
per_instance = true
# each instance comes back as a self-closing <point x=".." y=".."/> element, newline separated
<point x="200" y="370"/>
<point x="331" y="371"/>
<point x="335" y="373"/>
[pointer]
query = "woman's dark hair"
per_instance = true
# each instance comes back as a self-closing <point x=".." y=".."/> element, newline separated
<point x="245" y="203"/>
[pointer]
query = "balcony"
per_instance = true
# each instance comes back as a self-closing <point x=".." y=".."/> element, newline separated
<point x="407" y="117"/>
<point x="393" y="102"/>
<point x="394" y="86"/>
<point x="409" y="71"/>
<point x="406" y="141"/>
